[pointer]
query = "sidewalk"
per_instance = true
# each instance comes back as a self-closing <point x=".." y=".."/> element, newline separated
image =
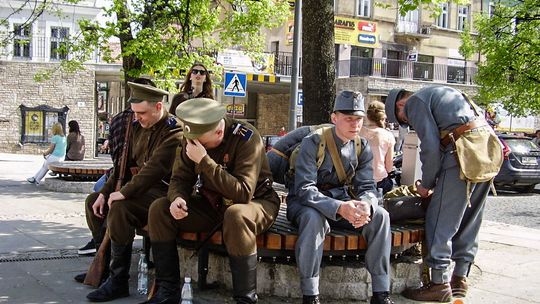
<point x="40" y="232"/>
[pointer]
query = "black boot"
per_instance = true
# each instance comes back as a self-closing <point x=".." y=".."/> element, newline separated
<point x="81" y="276"/>
<point x="311" y="300"/>
<point x="117" y="285"/>
<point x="167" y="273"/>
<point x="244" y="278"/>
<point x="381" y="298"/>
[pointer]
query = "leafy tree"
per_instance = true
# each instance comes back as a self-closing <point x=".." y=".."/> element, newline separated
<point x="162" y="38"/>
<point x="509" y="41"/>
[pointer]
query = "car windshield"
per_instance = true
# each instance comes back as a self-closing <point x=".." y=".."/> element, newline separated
<point x="521" y="145"/>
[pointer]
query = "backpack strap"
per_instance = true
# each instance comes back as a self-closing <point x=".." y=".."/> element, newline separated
<point x="336" y="160"/>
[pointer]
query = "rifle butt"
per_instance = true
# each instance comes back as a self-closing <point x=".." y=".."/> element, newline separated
<point x="97" y="268"/>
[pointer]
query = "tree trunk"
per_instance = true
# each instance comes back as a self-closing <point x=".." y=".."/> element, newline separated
<point x="318" y="60"/>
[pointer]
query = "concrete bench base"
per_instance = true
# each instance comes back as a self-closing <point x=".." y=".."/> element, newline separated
<point x="60" y="185"/>
<point x="345" y="280"/>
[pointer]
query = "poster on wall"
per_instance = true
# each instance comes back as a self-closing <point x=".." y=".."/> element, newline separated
<point x="356" y="32"/>
<point x="34" y="123"/>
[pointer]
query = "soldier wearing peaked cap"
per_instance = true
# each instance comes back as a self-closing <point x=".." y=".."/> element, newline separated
<point x="225" y="159"/>
<point x="152" y="145"/>
<point x="319" y="199"/>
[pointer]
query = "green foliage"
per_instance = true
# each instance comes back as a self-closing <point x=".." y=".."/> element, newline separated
<point x="163" y="39"/>
<point x="510" y="73"/>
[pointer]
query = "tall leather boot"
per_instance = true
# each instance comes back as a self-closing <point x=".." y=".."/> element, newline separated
<point x="117" y="285"/>
<point x="167" y="273"/>
<point x="244" y="278"/>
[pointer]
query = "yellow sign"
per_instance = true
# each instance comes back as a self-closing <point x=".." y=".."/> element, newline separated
<point x="34" y="123"/>
<point x="238" y="107"/>
<point x="356" y="32"/>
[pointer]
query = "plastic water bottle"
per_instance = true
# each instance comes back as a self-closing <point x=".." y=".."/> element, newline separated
<point x="187" y="293"/>
<point x="142" y="276"/>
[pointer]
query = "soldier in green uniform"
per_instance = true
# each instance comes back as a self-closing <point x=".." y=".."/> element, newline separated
<point x="153" y="142"/>
<point x="225" y="159"/>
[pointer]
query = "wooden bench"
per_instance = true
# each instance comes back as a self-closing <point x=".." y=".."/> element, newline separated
<point x="89" y="170"/>
<point x="280" y="240"/>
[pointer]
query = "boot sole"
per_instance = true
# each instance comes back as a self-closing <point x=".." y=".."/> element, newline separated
<point x="92" y="299"/>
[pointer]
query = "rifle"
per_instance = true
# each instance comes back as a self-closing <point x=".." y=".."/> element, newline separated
<point x="97" y="268"/>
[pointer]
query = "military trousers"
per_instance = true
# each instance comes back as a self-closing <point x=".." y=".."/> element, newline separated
<point x="241" y="222"/>
<point x="123" y="217"/>
<point x="452" y="226"/>
<point x="312" y="229"/>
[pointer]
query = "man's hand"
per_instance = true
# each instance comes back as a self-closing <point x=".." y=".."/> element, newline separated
<point x="115" y="196"/>
<point x="355" y="212"/>
<point x="99" y="206"/>
<point x="423" y="192"/>
<point x="178" y="208"/>
<point x="195" y="150"/>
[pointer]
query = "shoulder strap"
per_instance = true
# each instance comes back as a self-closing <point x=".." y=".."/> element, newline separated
<point x="336" y="160"/>
<point x="473" y="105"/>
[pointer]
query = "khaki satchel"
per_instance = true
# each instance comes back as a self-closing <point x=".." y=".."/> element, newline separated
<point x="478" y="151"/>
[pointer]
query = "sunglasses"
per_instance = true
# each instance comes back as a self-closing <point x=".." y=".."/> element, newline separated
<point x="200" y="72"/>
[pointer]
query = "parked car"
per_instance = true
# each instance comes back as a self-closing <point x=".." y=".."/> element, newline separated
<point x="520" y="170"/>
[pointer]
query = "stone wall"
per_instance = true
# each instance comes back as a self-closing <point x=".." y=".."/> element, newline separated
<point x="272" y="113"/>
<point x="17" y="86"/>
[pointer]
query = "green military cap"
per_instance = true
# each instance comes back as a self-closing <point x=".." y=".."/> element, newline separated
<point x="199" y="116"/>
<point x="143" y="92"/>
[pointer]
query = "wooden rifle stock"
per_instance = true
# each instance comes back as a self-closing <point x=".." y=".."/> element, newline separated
<point x="97" y="268"/>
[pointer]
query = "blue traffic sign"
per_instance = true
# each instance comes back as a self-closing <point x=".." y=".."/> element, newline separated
<point x="235" y="84"/>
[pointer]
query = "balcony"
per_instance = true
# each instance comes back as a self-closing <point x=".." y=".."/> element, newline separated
<point x="411" y="29"/>
<point x="387" y="68"/>
<point x="39" y="49"/>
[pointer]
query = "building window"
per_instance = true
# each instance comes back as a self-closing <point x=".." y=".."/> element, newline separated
<point x="463" y="17"/>
<point x="22" y="41"/>
<point x="59" y="36"/>
<point x="456" y="71"/>
<point x="491" y="8"/>
<point x="423" y="68"/>
<point x="363" y="8"/>
<point x="361" y="61"/>
<point x="442" y="20"/>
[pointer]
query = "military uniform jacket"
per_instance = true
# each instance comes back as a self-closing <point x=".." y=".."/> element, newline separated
<point x="152" y="150"/>
<point x="304" y="189"/>
<point x="430" y="111"/>
<point x="234" y="169"/>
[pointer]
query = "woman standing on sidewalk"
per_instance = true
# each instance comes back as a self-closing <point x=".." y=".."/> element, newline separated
<point x="197" y="84"/>
<point x="55" y="153"/>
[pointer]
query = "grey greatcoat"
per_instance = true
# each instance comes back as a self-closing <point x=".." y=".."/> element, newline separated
<point x="451" y="226"/>
<point x="314" y="211"/>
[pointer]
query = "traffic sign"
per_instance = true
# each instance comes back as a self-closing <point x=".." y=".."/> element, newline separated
<point x="235" y="84"/>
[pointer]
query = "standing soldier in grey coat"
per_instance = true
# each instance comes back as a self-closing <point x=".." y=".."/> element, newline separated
<point x="318" y="201"/>
<point x="225" y="159"/>
<point x="152" y="145"/>
<point x="451" y="224"/>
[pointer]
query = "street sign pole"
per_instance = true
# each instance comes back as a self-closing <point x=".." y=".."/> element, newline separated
<point x="295" y="64"/>
<point x="233" y="106"/>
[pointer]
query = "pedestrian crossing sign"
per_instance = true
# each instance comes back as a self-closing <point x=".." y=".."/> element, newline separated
<point x="235" y="84"/>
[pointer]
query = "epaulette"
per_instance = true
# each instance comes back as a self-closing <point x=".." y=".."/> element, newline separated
<point x="242" y="131"/>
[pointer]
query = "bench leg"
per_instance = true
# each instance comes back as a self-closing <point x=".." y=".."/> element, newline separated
<point x="147" y="247"/>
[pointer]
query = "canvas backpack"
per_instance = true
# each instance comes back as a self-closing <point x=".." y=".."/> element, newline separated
<point x="282" y="156"/>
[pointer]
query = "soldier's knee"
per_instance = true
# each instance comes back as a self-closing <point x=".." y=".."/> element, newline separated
<point x="89" y="202"/>
<point x="158" y="207"/>
<point x="380" y="215"/>
<point x="312" y="219"/>
<point x="234" y="215"/>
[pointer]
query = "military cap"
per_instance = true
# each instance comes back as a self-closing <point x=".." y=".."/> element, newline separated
<point x="143" y="92"/>
<point x="390" y="106"/>
<point x="350" y="103"/>
<point x="199" y="116"/>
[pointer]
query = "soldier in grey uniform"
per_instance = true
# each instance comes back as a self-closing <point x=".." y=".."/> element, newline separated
<point x="317" y="201"/>
<point x="225" y="160"/>
<point x="152" y="145"/>
<point x="451" y="226"/>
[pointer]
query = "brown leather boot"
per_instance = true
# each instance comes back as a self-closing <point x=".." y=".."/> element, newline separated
<point x="459" y="286"/>
<point x="431" y="292"/>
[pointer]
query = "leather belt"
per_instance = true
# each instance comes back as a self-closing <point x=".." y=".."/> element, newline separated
<point x="457" y="132"/>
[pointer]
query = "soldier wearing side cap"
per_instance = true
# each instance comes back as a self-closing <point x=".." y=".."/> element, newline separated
<point x="317" y="201"/>
<point x="153" y="142"/>
<point x="226" y="158"/>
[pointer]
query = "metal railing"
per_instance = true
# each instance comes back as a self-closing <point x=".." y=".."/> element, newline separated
<point x="389" y="68"/>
